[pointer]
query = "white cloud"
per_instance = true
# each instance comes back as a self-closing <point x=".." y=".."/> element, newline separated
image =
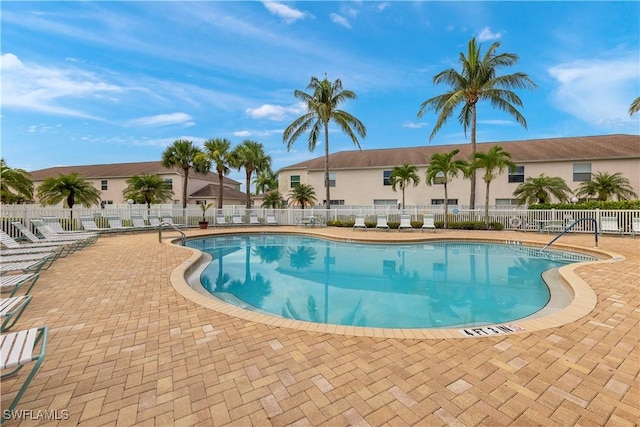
<point x="597" y="91"/>
<point x="275" y="112"/>
<point x="340" y="20"/>
<point x="413" y="125"/>
<point x="256" y="133"/>
<point x="382" y="6"/>
<point x="486" y="34"/>
<point x="285" y="12"/>
<point x="163" y="120"/>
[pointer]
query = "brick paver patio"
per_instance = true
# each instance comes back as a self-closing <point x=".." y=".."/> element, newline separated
<point x="126" y="349"/>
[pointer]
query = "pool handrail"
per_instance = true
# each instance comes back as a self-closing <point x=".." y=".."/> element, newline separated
<point x="595" y="230"/>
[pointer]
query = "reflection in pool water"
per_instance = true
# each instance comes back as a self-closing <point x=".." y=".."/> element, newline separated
<point x="421" y="285"/>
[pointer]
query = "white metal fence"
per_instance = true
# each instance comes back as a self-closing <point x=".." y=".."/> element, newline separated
<point x="510" y="218"/>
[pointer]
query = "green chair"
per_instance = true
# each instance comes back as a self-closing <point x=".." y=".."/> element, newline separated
<point x="11" y="309"/>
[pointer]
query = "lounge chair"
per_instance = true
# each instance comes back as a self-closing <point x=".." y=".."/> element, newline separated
<point x="11" y="309"/>
<point x="33" y="256"/>
<point x="359" y="223"/>
<point x="12" y="243"/>
<point x="253" y="219"/>
<point x="382" y="222"/>
<point x="635" y="226"/>
<point x="30" y="266"/>
<point x="428" y="223"/>
<point x="154" y="221"/>
<point x="17" y="349"/>
<point x="89" y="224"/>
<point x="12" y="283"/>
<point x="49" y="234"/>
<point x="169" y="220"/>
<point x="236" y="219"/>
<point x="73" y="243"/>
<point x="609" y="224"/>
<point x="52" y="226"/>
<point x="115" y="224"/>
<point x="405" y="222"/>
<point x="221" y="220"/>
<point x="271" y="218"/>
<point x="138" y="222"/>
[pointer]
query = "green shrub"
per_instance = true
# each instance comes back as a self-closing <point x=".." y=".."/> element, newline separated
<point x="590" y="204"/>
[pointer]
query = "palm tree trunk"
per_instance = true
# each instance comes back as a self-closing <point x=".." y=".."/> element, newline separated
<point x="326" y="165"/>
<point x="486" y="206"/>
<point x="446" y="206"/>
<point x="184" y="188"/>
<point x="220" y="189"/>
<point x="248" y="200"/>
<point x="472" y="199"/>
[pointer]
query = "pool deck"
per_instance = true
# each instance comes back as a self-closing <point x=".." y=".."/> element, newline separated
<point x="127" y="348"/>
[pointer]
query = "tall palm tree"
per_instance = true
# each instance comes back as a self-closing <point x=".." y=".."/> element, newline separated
<point x="540" y="189"/>
<point x="250" y="156"/>
<point x="402" y="176"/>
<point x="70" y="188"/>
<point x="441" y="170"/>
<point x="322" y="108"/>
<point x="147" y="189"/>
<point x="635" y="106"/>
<point x="302" y="195"/>
<point x="217" y="153"/>
<point x="493" y="162"/>
<point x="15" y="184"/>
<point x="182" y="154"/>
<point x="266" y="181"/>
<point x="604" y="186"/>
<point x="477" y="81"/>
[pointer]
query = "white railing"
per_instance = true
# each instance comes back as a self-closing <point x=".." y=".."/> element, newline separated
<point x="552" y="220"/>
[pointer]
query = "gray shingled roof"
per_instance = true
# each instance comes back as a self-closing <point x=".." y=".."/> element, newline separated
<point x="211" y="190"/>
<point x="534" y="150"/>
<point x="117" y="170"/>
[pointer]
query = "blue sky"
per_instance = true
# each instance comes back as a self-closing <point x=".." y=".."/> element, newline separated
<point x="118" y="81"/>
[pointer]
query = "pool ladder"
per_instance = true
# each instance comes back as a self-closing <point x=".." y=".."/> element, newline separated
<point x="163" y="223"/>
<point x="563" y="232"/>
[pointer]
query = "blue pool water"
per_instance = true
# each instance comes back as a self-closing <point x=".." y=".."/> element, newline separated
<point x="417" y="285"/>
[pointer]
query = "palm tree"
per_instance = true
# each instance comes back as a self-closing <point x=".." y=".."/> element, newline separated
<point x="266" y="181"/>
<point x="15" y="184"/>
<point x="494" y="162"/>
<point x="250" y="156"/>
<point x="540" y="190"/>
<point x="403" y="176"/>
<point x="322" y="108"/>
<point x="477" y="81"/>
<point x="302" y="195"/>
<point x="604" y="186"/>
<point x="441" y="170"/>
<point x="273" y="199"/>
<point x="147" y="189"/>
<point x="184" y="155"/>
<point x="68" y="188"/>
<point x="635" y="106"/>
<point x="216" y="152"/>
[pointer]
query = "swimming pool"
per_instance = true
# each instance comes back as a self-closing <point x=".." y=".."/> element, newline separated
<point x="416" y="285"/>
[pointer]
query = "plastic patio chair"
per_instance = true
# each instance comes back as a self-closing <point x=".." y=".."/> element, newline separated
<point x="381" y="223"/>
<point x="11" y="309"/>
<point x="405" y="222"/>
<point x="428" y="223"/>
<point x="359" y="223"/>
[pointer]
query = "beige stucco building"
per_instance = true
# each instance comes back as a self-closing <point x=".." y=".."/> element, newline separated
<point x="110" y="180"/>
<point x="360" y="178"/>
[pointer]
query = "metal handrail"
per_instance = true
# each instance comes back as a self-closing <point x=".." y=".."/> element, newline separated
<point x="563" y="232"/>
<point x="182" y="239"/>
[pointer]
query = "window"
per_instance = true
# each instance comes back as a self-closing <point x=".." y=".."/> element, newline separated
<point x="516" y="174"/>
<point x="332" y="180"/>
<point x="334" y="202"/>
<point x="103" y="185"/>
<point x="295" y="180"/>
<point x="439" y="178"/>
<point x="385" y="202"/>
<point x="169" y="182"/>
<point x="506" y="202"/>
<point x="441" y="202"/>
<point x="581" y="172"/>
<point x="385" y="177"/>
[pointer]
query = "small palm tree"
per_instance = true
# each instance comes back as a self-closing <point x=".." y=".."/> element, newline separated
<point x="605" y="186"/>
<point x="322" y="107"/>
<point x="266" y="181"/>
<point x="147" y="189"/>
<point x="250" y="156"/>
<point x="402" y="176"/>
<point x="302" y="195"/>
<point x="441" y="170"/>
<point x="216" y="152"/>
<point x="540" y="189"/>
<point x="273" y="199"/>
<point x="635" y="106"/>
<point x="68" y="188"/>
<point x="477" y="81"/>
<point x="15" y="184"/>
<point x="493" y="162"/>
<point x="182" y="154"/>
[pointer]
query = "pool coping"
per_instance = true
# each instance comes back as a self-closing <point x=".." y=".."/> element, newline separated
<point x="584" y="298"/>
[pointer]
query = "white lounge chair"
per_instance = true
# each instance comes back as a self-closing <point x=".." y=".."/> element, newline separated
<point x="271" y="218"/>
<point x="11" y="309"/>
<point x="635" y="226"/>
<point x="154" y="221"/>
<point x="89" y="224"/>
<point x="359" y="223"/>
<point x="51" y="228"/>
<point x="168" y="219"/>
<point x="609" y="224"/>
<point x="58" y="240"/>
<point x="12" y="283"/>
<point x="405" y="222"/>
<point x="221" y="220"/>
<point x="253" y="219"/>
<point x="381" y="223"/>
<point x="428" y="222"/>
<point x="236" y="219"/>
<point x="17" y="349"/>
<point x="138" y="222"/>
